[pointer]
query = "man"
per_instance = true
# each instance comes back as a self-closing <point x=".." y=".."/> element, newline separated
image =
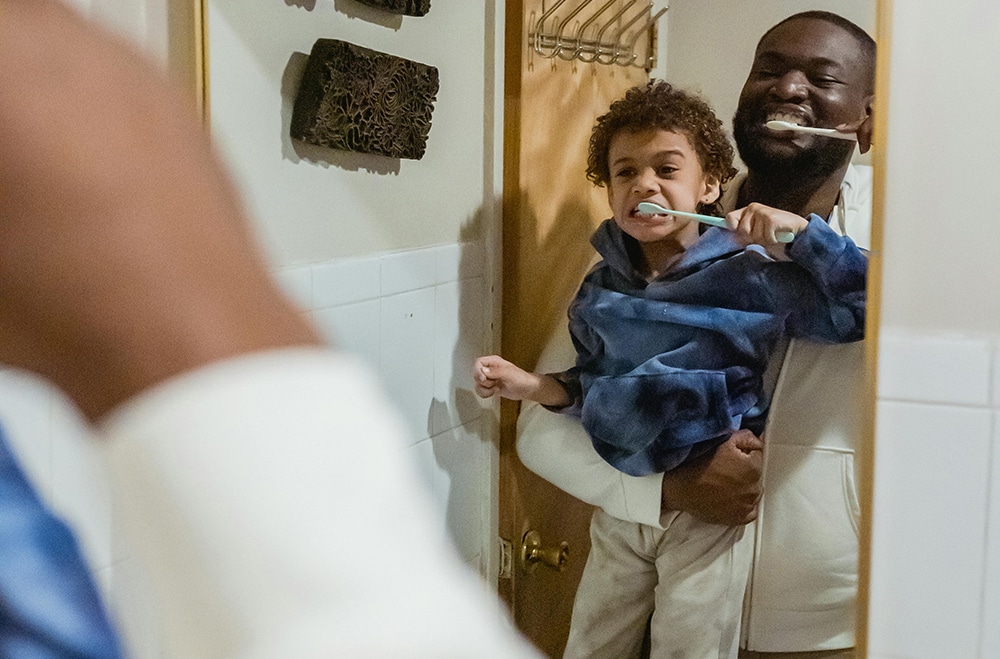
<point x="815" y="69"/>
<point x="259" y="471"/>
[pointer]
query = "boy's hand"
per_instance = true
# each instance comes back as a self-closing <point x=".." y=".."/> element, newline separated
<point x="495" y="375"/>
<point x="759" y="224"/>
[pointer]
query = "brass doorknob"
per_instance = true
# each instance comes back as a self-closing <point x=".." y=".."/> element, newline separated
<point x="533" y="553"/>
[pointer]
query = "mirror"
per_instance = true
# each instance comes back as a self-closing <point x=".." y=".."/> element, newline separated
<point x="706" y="45"/>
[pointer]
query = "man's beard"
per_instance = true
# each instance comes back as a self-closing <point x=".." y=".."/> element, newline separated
<point x="816" y="162"/>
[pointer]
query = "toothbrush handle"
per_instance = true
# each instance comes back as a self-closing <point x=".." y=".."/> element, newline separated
<point x="850" y="137"/>
<point x="646" y="207"/>
<point x="830" y="132"/>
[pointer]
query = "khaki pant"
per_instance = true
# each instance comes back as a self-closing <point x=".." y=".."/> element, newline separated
<point x="689" y="577"/>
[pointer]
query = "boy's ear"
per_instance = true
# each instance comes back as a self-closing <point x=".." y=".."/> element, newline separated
<point x="712" y="190"/>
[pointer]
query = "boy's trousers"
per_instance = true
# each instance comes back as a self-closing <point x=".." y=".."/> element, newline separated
<point x="687" y="581"/>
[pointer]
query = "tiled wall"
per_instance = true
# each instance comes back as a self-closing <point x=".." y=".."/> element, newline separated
<point x="935" y="588"/>
<point x="418" y="317"/>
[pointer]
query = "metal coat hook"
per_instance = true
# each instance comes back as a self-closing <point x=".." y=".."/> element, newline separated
<point x="620" y="47"/>
<point x="562" y="28"/>
<point x="536" y="36"/>
<point x="583" y="30"/>
<point x="650" y="21"/>
<point x="616" y="45"/>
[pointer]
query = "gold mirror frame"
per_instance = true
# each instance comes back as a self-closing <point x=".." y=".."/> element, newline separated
<point x="883" y="25"/>
<point x="188" y="61"/>
<point x="187" y="57"/>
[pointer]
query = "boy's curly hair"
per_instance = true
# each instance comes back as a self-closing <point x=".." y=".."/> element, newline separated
<point x="657" y="104"/>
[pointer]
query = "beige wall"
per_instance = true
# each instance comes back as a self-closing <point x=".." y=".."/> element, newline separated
<point x="942" y="243"/>
<point x="312" y="205"/>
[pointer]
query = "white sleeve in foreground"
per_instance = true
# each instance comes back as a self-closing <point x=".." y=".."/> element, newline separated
<point x="272" y="504"/>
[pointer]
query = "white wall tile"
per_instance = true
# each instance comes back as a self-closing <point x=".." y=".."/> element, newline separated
<point x="934" y="369"/>
<point x="991" y="596"/>
<point x="459" y="339"/>
<point x="449" y="263"/>
<point x="353" y="328"/>
<point x="929" y="522"/>
<point x="459" y="483"/>
<point x="409" y="271"/>
<point x="345" y="282"/>
<point x="297" y="284"/>
<point x="407" y="355"/>
<point x="460" y="261"/>
<point x="995" y="379"/>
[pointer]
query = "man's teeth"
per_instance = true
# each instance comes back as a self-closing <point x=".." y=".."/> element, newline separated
<point x="789" y="118"/>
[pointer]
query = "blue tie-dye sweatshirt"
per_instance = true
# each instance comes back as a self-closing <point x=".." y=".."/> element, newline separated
<point x="670" y="368"/>
<point x="49" y="605"/>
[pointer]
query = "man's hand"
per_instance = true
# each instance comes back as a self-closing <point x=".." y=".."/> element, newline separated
<point x="863" y="129"/>
<point x="723" y="487"/>
<point x="125" y="257"/>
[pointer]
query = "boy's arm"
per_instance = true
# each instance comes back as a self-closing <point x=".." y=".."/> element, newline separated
<point x="834" y="308"/>
<point x="495" y="375"/>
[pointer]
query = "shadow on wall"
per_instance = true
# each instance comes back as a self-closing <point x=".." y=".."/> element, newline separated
<point x="456" y="427"/>
<point x="549" y="271"/>
<point x="353" y="9"/>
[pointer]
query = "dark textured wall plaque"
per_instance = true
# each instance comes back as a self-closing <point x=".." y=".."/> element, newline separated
<point x="357" y="99"/>
<point x="408" y="7"/>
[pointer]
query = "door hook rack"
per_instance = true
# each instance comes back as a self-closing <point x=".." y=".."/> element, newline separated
<point x="609" y="32"/>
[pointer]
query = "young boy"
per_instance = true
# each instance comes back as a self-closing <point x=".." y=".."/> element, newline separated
<point x="674" y="329"/>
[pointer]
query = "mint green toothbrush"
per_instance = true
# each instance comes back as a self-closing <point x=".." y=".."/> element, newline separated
<point x="656" y="209"/>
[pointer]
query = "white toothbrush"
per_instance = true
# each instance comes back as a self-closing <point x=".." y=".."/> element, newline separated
<point x="656" y="209"/>
<point x="775" y="124"/>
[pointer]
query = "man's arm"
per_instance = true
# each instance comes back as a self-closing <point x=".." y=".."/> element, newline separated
<point x="723" y="487"/>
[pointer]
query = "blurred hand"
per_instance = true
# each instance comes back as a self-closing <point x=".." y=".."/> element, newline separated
<point x="124" y="254"/>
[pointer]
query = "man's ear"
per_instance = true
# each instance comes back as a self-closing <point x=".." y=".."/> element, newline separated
<point x="865" y="129"/>
<point x="712" y="190"/>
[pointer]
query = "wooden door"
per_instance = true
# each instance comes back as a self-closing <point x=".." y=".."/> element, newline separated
<point x="550" y="210"/>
